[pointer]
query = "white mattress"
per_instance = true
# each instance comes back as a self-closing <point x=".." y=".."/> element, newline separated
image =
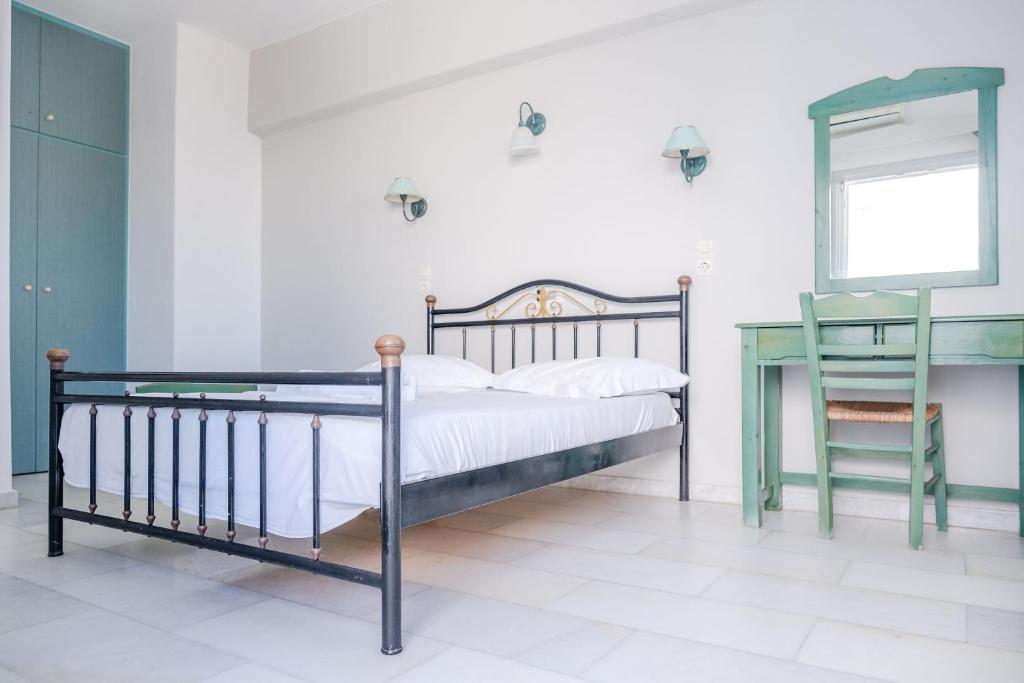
<point x="441" y="434"/>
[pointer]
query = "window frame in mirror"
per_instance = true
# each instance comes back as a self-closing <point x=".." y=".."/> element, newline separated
<point x="919" y="85"/>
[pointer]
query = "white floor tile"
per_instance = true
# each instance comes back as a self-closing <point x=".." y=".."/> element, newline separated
<point x="645" y="572"/>
<point x="8" y="676"/>
<point x="35" y="605"/>
<point x="956" y="539"/>
<point x="997" y="567"/>
<point x="158" y="596"/>
<point x="683" y="527"/>
<point x="972" y="590"/>
<point x="717" y="623"/>
<point x="101" y="647"/>
<point x="749" y="558"/>
<point x="644" y="505"/>
<point x="473" y="520"/>
<point x="468" y="543"/>
<point x="515" y="507"/>
<point x="551" y="494"/>
<point x="922" y="616"/>
<point x="489" y="579"/>
<point x="323" y="592"/>
<point x="867" y="551"/>
<point x="895" y="656"/>
<point x="180" y="557"/>
<point x="90" y="535"/>
<point x="805" y="522"/>
<point x="652" y="658"/>
<point x="310" y="643"/>
<point x="32" y="564"/>
<point x="252" y="673"/>
<point x="995" y="628"/>
<point x="457" y="665"/>
<point x="578" y="535"/>
<point x="27" y="513"/>
<point x="542" y="638"/>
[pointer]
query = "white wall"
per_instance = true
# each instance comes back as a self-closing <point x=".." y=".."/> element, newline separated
<point x="216" y="209"/>
<point x="600" y="206"/>
<point x="8" y="496"/>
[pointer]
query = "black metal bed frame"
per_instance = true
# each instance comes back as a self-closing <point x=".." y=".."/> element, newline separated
<point x="401" y="505"/>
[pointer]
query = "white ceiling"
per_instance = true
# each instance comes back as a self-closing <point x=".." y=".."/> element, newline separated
<point x="246" y="23"/>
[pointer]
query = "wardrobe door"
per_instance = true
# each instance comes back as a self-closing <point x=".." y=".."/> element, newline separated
<point x="24" y="170"/>
<point x="25" y="29"/>
<point x="81" y="263"/>
<point x="83" y="88"/>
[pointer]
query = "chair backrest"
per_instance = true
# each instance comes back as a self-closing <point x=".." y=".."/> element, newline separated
<point x="835" y="363"/>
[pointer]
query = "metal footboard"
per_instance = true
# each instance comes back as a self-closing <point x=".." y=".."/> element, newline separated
<point x="388" y="580"/>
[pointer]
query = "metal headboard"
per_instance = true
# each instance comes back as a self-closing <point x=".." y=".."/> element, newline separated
<point x="555" y="302"/>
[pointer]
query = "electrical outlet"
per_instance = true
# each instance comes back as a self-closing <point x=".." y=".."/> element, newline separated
<point x="705" y="247"/>
<point x="424" y="272"/>
<point x="704" y="266"/>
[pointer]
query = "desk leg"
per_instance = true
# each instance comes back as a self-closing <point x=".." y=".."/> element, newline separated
<point x="1020" y="448"/>
<point x="750" y="384"/>
<point x="773" y="436"/>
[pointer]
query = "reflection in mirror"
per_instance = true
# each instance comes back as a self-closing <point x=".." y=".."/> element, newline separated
<point x="904" y="188"/>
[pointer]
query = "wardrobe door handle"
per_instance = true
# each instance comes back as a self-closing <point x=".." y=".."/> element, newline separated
<point x="27" y="288"/>
<point x="47" y="290"/>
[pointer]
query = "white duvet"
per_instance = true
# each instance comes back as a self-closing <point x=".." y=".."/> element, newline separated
<point x="442" y="434"/>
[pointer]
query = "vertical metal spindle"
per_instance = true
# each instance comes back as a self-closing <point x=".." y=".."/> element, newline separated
<point x="463" y="343"/>
<point x="262" y="540"/>
<point x="533" y="342"/>
<point x="150" y="465"/>
<point x="203" y="417"/>
<point x="390" y="349"/>
<point x="92" y="458"/>
<point x="636" y="339"/>
<point x="127" y="511"/>
<point x="554" y="342"/>
<point x="513" y="346"/>
<point x="175" y="470"/>
<point x="431" y="300"/>
<point x="315" y="552"/>
<point x="575" y="341"/>
<point x="684" y="393"/>
<point x="492" y="348"/>
<point x="231" y="475"/>
<point x="598" y="338"/>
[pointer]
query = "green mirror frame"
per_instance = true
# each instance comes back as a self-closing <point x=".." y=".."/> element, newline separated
<point x="920" y="84"/>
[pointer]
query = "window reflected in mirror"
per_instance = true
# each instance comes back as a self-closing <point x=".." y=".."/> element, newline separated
<point x="904" y="188"/>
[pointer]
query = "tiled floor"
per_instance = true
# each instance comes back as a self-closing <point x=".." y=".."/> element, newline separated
<point x="555" y="585"/>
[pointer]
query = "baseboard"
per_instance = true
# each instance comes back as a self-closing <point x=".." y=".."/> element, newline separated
<point x="973" y="514"/>
<point x="8" y="499"/>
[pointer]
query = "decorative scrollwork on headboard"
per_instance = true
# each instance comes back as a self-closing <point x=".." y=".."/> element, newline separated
<point x="545" y="303"/>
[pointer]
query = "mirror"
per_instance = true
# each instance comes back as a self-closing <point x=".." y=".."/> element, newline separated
<point x="905" y="182"/>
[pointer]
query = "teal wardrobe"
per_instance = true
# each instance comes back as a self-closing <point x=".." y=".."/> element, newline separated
<point x="69" y="166"/>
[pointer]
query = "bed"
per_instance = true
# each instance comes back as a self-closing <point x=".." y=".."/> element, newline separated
<point x="297" y="464"/>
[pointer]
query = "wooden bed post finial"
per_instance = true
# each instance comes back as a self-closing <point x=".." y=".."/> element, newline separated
<point x="57" y="358"/>
<point x="684" y="282"/>
<point x="390" y="348"/>
<point x="431" y="300"/>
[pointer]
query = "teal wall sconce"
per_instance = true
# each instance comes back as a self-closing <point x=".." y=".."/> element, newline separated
<point x="524" y="138"/>
<point x="688" y="146"/>
<point x="403" y="192"/>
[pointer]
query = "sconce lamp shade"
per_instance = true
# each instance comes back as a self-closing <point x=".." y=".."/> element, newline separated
<point x="685" y="138"/>
<point x="402" y="190"/>
<point x="523" y="141"/>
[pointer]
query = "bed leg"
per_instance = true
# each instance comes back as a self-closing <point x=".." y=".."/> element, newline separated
<point x="390" y="349"/>
<point x="55" y="530"/>
<point x="684" y="392"/>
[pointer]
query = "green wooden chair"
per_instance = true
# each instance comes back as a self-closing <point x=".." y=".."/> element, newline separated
<point x="835" y="363"/>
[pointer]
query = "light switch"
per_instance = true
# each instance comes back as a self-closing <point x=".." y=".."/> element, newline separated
<point x="424" y="272"/>
<point x="705" y="247"/>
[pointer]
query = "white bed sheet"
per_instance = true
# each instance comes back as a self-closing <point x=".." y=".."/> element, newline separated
<point x="442" y="434"/>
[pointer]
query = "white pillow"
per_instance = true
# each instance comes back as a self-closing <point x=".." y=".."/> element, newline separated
<point x="433" y="372"/>
<point x="592" y="378"/>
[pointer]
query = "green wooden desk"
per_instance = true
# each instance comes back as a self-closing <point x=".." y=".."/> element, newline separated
<point x="766" y="347"/>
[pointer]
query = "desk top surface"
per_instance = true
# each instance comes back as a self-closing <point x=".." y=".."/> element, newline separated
<point x="874" y="321"/>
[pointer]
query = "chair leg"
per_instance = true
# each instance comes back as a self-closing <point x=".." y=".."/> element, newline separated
<point x="939" y="467"/>
<point x="917" y="494"/>
<point x="824" y="467"/>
